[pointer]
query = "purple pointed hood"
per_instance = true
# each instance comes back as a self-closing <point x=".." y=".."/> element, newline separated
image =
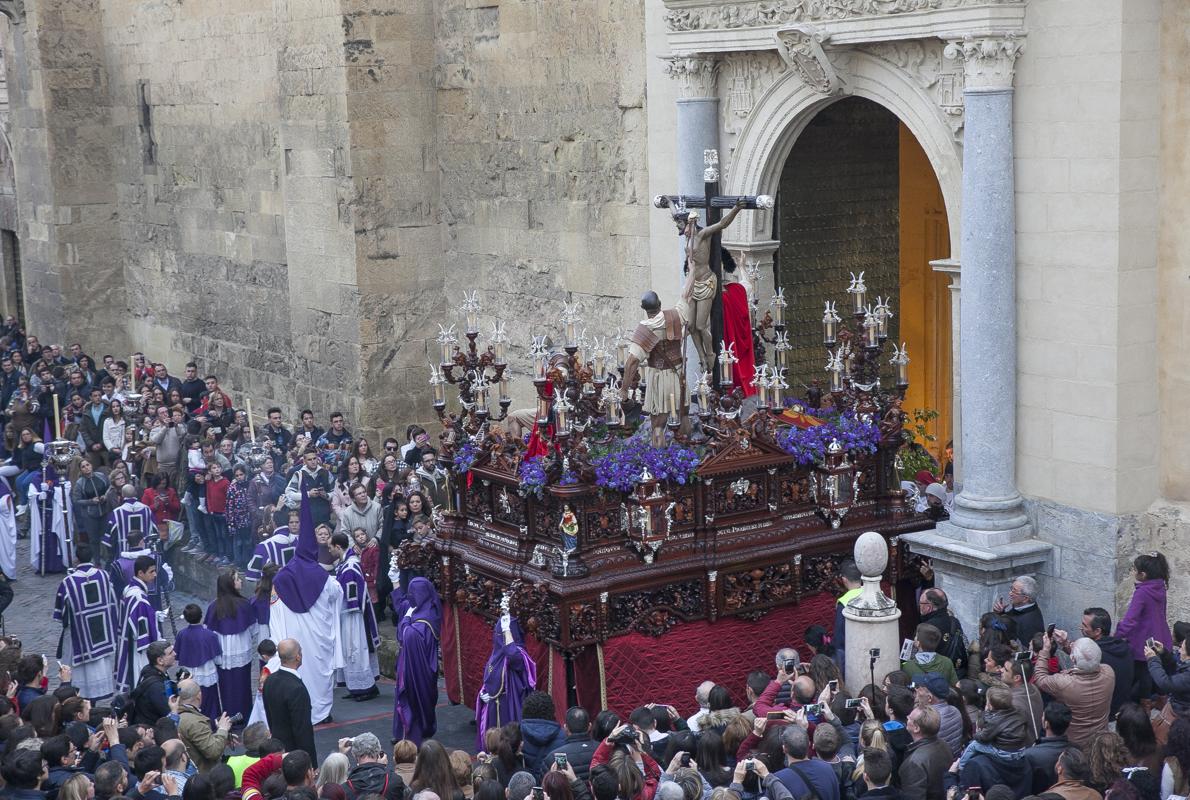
<point x="299" y="584"/>
<point x="426" y="604"/>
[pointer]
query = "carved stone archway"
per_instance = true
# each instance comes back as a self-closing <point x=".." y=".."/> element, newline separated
<point x="787" y="106"/>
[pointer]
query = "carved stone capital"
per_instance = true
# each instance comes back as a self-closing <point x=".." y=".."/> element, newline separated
<point x="696" y="75"/>
<point x="14" y="10"/>
<point x="801" y="48"/>
<point x="988" y="62"/>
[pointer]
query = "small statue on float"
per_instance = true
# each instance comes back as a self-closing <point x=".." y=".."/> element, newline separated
<point x="655" y="350"/>
<point x="569" y="528"/>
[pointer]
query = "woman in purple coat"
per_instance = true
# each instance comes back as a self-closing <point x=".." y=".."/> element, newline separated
<point x="509" y="675"/>
<point x="1146" y="618"/>
<point x="419" y="623"/>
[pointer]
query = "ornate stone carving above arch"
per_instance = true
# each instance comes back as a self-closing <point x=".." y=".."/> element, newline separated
<point x="784" y="109"/>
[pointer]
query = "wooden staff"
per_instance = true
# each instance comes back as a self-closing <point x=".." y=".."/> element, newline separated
<point x="251" y="427"/>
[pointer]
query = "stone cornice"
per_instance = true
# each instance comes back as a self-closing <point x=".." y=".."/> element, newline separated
<point x="707" y="26"/>
<point x="988" y="61"/>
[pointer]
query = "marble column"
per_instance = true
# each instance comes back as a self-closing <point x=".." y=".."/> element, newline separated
<point x="698" y="116"/>
<point x="988" y="511"/>
<point x="988" y="539"/>
<point x="697" y="132"/>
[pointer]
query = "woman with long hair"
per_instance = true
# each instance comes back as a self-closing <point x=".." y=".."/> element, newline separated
<point x="1108" y="757"/>
<point x="233" y="618"/>
<point x="711" y="757"/>
<point x="333" y="771"/>
<point x="387" y="473"/>
<point x="113" y="429"/>
<point x="363" y="452"/>
<point x="418" y="507"/>
<point x="432" y="771"/>
<point x="1136" y="729"/>
<point x="819" y="640"/>
<point x="349" y="474"/>
<point x="262" y="599"/>
<point x="622" y="759"/>
<point x="1145" y="618"/>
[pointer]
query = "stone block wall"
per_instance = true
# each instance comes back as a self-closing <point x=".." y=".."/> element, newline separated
<point x="294" y="193"/>
<point x="542" y="145"/>
<point x="1086" y="112"/>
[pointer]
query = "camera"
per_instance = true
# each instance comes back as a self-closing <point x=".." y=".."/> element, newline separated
<point x="1049" y="630"/>
<point x="750" y="765"/>
<point x="1022" y="655"/>
<point x="538" y="793"/>
<point x="790" y="666"/>
<point x="1151" y="643"/>
<point x="626" y="737"/>
<point x="237" y="718"/>
<point x="560" y="760"/>
<point x="685" y="762"/>
<point x="874" y="652"/>
<point x="854" y="702"/>
<point x="833" y="686"/>
<point x="812" y="708"/>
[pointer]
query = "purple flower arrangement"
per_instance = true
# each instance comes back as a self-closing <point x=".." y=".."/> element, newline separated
<point x="808" y="445"/>
<point x="620" y="468"/>
<point x="532" y="475"/>
<point x="465" y="457"/>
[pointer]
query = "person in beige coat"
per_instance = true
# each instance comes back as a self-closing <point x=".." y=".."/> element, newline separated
<point x="194" y="728"/>
<point x="1086" y="689"/>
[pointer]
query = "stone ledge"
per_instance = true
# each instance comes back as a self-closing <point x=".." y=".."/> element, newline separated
<point x="1005" y="557"/>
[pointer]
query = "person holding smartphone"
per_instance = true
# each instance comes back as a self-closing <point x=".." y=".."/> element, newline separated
<point x="1087" y="688"/>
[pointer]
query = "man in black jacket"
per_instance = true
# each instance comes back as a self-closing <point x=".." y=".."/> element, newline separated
<point x="150" y="698"/>
<point x="287" y="702"/>
<point x="934" y="607"/>
<point x="1043" y="756"/>
<point x="926" y="760"/>
<point x="371" y="774"/>
<point x="1022" y="607"/>
<point x="878" y="770"/>
<point x="1114" y="651"/>
<point x="579" y="746"/>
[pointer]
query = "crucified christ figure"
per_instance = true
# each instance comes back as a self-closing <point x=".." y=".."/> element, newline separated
<point x="700" y="289"/>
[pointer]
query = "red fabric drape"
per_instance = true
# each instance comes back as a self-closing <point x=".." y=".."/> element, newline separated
<point x="737" y="330"/>
<point x="725" y="652"/>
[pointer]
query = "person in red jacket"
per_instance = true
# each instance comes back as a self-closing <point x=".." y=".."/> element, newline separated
<point x="635" y="770"/>
<point x="217" y="512"/>
<point x="162" y="500"/>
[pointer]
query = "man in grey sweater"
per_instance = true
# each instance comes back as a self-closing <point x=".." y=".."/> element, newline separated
<point x="168" y="435"/>
<point x="364" y="512"/>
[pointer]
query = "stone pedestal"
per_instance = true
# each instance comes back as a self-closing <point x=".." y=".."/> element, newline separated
<point x="872" y="618"/>
<point x="973" y="577"/>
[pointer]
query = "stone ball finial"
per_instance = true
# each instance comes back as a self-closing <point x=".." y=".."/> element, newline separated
<point x="871" y="554"/>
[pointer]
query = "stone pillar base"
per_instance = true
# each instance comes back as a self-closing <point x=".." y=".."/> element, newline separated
<point x="987" y="537"/>
<point x="973" y="576"/>
<point x="864" y="633"/>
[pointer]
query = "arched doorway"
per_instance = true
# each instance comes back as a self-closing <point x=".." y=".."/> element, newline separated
<point x="857" y="192"/>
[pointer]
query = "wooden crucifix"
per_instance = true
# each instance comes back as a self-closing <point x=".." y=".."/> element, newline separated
<point x="706" y="250"/>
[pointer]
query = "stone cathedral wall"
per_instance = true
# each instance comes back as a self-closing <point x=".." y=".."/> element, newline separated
<point x="295" y="192"/>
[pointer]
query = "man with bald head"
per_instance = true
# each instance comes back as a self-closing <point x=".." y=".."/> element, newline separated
<point x="194" y="728"/>
<point x="287" y="701"/>
<point x="787" y="691"/>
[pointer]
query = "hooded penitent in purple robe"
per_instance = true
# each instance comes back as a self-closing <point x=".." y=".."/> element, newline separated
<point x="198" y="650"/>
<point x="416" y="692"/>
<point x="309" y="604"/>
<point x="48" y="523"/>
<point x="509" y="675"/>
